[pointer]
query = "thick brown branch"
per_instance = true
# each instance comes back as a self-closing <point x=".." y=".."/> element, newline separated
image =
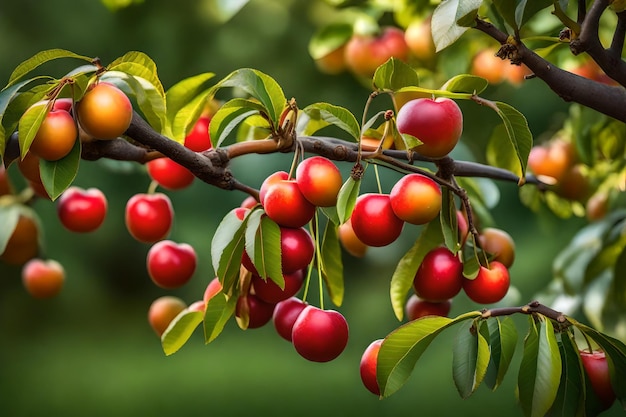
<point x="534" y="307"/>
<point x="609" y="100"/>
<point x="589" y="42"/>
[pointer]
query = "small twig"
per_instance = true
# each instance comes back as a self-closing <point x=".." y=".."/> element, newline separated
<point x="534" y="307"/>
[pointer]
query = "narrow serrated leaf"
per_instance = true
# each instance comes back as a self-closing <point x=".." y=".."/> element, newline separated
<point x="260" y="86"/>
<point x="570" y="398"/>
<point x="229" y="116"/>
<point x="540" y="370"/>
<point x="402" y="348"/>
<point x="328" y="39"/>
<point x="324" y="114"/>
<point x="218" y="311"/>
<point x="139" y="65"/>
<point x="519" y="134"/>
<point x="267" y="255"/>
<point x="502" y="341"/>
<point x="395" y="74"/>
<point x="466" y="83"/>
<point x="346" y="198"/>
<point x="227" y="248"/>
<point x="444" y="25"/>
<point x="180" y="330"/>
<point x="41" y="58"/>
<point x="57" y="175"/>
<point x="448" y="220"/>
<point x="470" y="359"/>
<point x="332" y="265"/>
<point x="404" y="274"/>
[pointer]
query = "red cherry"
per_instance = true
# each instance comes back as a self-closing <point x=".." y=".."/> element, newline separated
<point x="82" y="210"/>
<point x="297" y="250"/>
<point x="259" y="312"/>
<point x="171" y="265"/>
<point x="319" y="180"/>
<point x="169" y="174"/>
<point x="43" y="278"/>
<point x="597" y="368"/>
<point x="416" y="199"/>
<point x="439" y="276"/>
<point x="373" y="220"/>
<point x="271" y="179"/>
<point x="490" y="285"/>
<point x="437" y="123"/>
<point x="285" y="315"/>
<point x="286" y="205"/>
<point x="149" y="217"/>
<point x="268" y="291"/>
<point x="367" y="367"/>
<point x="416" y="307"/>
<point x="320" y="335"/>
<point x="198" y="139"/>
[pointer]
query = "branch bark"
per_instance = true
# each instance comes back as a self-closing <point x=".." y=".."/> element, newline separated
<point x="606" y="99"/>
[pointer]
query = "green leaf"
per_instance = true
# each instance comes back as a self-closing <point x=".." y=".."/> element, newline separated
<point x="227" y="248"/>
<point x="501" y="155"/>
<point x="229" y="116"/>
<point x="404" y="274"/>
<point x="332" y="265"/>
<point x="502" y="340"/>
<point x="470" y="359"/>
<point x="402" y="348"/>
<point x="615" y="351"/>
<point x="150" y="98"/>
<point x="29" y="125"/>
<point x="324" y="114"/>
<point x="180" y="330"/>
<point x="346" y="198"/>
<point x="219" y="310"/>
<point x="444" y="25"/>
<point x="260" y="86"/>
<point x="56" y="176"/>
<point x="448" y="219"/>
<point x="466" y="83"/>
<point x="138" y="65"/>
<point x="517" y="12"/>
<point x="570" y="398"/>
<point x="395" y="74"/>
<point x="9" y="216"/>
<point x="263" y="246"/>
<point x="328" y="39"/>
<point x="185" y="101"/>
<point x="41" y="58"/>
<point x="518" y="132"/>
<point x="507" y="9"/>
<point x="540" y="370"/>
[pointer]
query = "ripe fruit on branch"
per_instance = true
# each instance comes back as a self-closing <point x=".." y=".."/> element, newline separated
<point x="104" y="112"/>
<point x="56" y="135"/>
<point x="374" y="221"/>
<point x="81" y="210"/>
<point x="487" y="65"/>
<point x="296" y="247"/>
<point x="198" y="139"/>
<point x="550" y="161"/>
<point x="268" y="291"/>
<point x="319" y="180"/>
<point x="171" y="265"/>
<point x="416" y="199"/>
<point x="498" y="243"/>
<point x="162" y="311"/>
<point x="43" y="278"/>
<point x="439" y="276"/>
<point x="416" y="307"/>
<point x="490" y="285"/>
<point x="149" y="217"/>
<point x="332" y="63"/>
<point x="285" y="315"/>
<point x="437" y="123"/>
<point x="169" y="174"/>
<point x="597" y="369"/>
<point x="319" y="335"/>
<point x="271" y="179"/>
<point x="23" y="244"/>
<point x="286" y="205"/>
<point x="365" y="53"/>
<point x="368" y="364"/>
<point x="350" y="241"/>
<point x="29" y="167"/>
<point x="419" y="39"/>
<point x="258" y="311"/>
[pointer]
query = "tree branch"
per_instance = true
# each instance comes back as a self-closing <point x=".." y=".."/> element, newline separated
<point x="609" y="100"/>
<point x="534" y="307"/>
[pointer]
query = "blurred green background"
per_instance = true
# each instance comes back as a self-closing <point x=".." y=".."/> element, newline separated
<point x="91" y="352"/>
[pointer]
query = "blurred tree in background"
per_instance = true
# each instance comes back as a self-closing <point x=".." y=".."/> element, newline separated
<point x="90" y="351"/>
